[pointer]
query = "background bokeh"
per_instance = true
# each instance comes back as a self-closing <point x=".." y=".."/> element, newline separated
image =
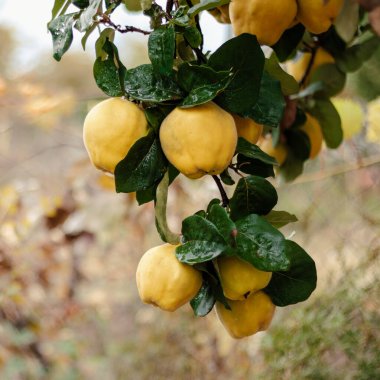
<point x="69" y="245"/>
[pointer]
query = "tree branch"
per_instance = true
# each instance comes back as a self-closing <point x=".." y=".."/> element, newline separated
<point x="225" y="200"/>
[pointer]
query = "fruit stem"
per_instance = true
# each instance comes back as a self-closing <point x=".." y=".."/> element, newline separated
<point x="225" y="200"/>
<point x="160" y="211"/>
<point x="309" y="66"/>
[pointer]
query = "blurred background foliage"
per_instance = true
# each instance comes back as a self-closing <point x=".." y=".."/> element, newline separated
<point x="69" y="246"/>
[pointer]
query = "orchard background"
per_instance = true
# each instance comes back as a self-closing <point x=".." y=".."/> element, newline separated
<point x="69" y="245"/>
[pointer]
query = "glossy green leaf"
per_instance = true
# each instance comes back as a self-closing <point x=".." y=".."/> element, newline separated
<point x="143" y="166"/>
<point x="161" y="50"/>
<point x="142" y="84"/>
<point x="219" y="217"/>
<point x="288" y="42"/>
<point x="296" y="283"/>
<point x="204" y="301"/>
<point x="270" y="106"/>
<point x="81" y="3"/>
<point x="253" y="195"/>
<point x="260" y="244"/>
<point x="299" y="143"/>
<point x="193" y="36"/>
<point x="86" y="18"/>
<point x="242" y="55"/>
<point x="280" y="219"/>
<point x="203" y="241"/>
<point x="247" y="149"/>
<point x="226" y="178"/>
<point x="254" y="166"/>
<point x="62" y="34"/>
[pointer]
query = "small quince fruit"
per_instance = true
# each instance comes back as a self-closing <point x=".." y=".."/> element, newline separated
<point x="318" y="15"/>
<point x="110" y="129"/>
<point x="165" y="282"/>
<point x="266" y="19"/>
<point x="240" y="278"/>
<point x="314" y="132"/>
<point x="279" y="152"/>
<point x="247" y="317"/>
<point x="199" y="140"/>
<point x="248" y="129"/>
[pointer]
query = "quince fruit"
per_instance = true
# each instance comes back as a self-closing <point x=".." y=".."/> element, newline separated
<point x="279" y="152"/>
<point x="240" y="278"/>
<point x="221" y="14"/>
<point x="110" y="129"/>
<point x="247" y="317"/>
<point x="314" y="132"/>
<point x="199" y="140"/>
<point x="298" y="67"/>
<point x="318" y="15"/>
<point x="165" y="282"/>
<point x="266" y="19"/>
<point x="248" y="129"/>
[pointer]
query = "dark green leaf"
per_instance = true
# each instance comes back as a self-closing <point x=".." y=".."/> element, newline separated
<point x="144" y="165"/>
<point x="193" y="36"/>
<point x="260" y="244"/>
<point x="254" y="166"/>
<point x="86" y="18"/>
<point x="62" y="34"/>
<point x="204" y="5"/>
<point x="270" y="106"/>
<point x="226" y="178"/>
<point x="204" y="301"/>
<point x="280" y="219"/>
<point x="329" y="121"/>
<point x="219" y="217"/>
<point x="299" y="143"/>
<point x="58" y="5"/>
<point x="106" y="34"/>
<point x="81" y="3"/>
<point x="155" y="115"/>
<point x="161" y="49"/>
<point x="141" y="84"/>
<point x="242" y="55"/>
<point x="253" y="195"/>
<point x="203" y="241"/>
<point x="247" y="149"/>
<point x="289" y="85"/>
<point x="296" y="283"/>
<point x="331" y="77"/>
<point x="291" y="168"/>
<point x="288" y="42"/>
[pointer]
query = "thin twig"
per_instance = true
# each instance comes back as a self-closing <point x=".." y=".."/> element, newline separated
<point x="121" y="29"/>
<point x="225" y="200"/>
<point x="309" y="66"/>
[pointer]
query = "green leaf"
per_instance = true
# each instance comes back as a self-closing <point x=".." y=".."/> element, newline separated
<point x="291" y="168"/>
<point x="332" y="78"/>
<point x="58" y="5"/>
<point x="226" y="178"/>
<point x="254" y="166"/>
<point x="289" y="85"/>
<point x="296" y="283"/>
<point x="81" y="3"/>
<point x="242" y="55"/>
<point x="106" y="34"/>
<point x="161" y="50"/>
<point x="329" y="120"/>
<point x="156" y="115"/>
<point x="204" y="301"/>
<point x="142" y="84"/>
<point x="299" y="143"/>
<point x="193" y="36"/>
<point x="144" y="165"/>
<point x="203" y="241"/>
<point x="253" y="195"/>
<point x="280" y="219"/>
<point x="109" y="73"/>
<point x="288" y="42"/>
<point x="351" y="59"/>
<point x="62" y="34"/>
<point x="260" y="244"/>
<point x="204" y="5"/>
<point x="219" y="217"/>
<point x="346" y="24"/>
<point x="88" y="34"/>
<point x="86" y="18"/>
<point x="270" y="106"/>
<point x="247" y="149"/>
<point x="202" y="83"/>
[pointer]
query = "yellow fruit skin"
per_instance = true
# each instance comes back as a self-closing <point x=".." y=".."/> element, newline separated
<point x="298" y="68"/>
<point x="248" y="129"/>
<point x="165" y="282"/>
<point x="110" y="129"/>
<point x="351" y="114"/>
<point x="318" y="15"/>
<point x="240" y="278"/>
<point x="199" y="140"/>
<point x="314" y="132"/>
<point x="280" y="153"/>
<point x="373" y="119"/>
<point x="221" y="14"/>
<point x="266" y="19"/>
<point x="247" y="317"/>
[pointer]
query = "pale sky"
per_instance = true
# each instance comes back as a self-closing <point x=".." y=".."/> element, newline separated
<point x="29" y="18"/>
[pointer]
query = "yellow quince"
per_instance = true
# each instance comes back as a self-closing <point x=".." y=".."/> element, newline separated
<point x="240" y="278"/>
<point x="318" y="15"/>
<point x="247" y="317"/>
<point x="221" y="14"/>
<point x="314" y="132"/>
<point x="266" y="19"/>
<point x="279" y="152"/>
<point x="248" y="129"/>
<point x="110" y="129"/>
<point x="165" y="282"/>
<point x="199" y="140"/>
